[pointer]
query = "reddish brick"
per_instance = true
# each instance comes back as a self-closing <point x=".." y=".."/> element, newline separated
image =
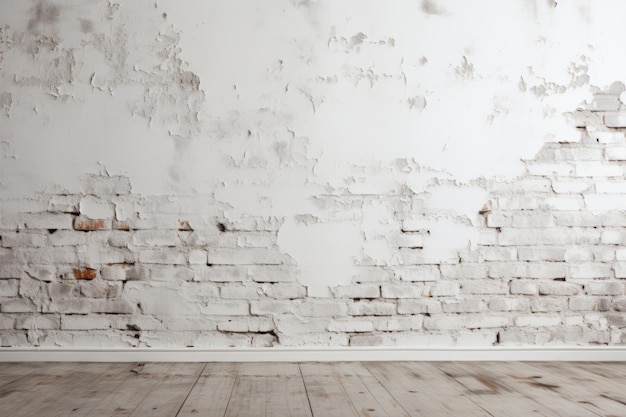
<point x="85" y="273"/>
<point x="86" y="225"/>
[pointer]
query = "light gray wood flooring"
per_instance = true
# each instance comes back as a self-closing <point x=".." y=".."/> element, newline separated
<point x="344" y="389"/>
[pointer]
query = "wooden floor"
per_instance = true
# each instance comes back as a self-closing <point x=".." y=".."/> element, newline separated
<point x="394" y="389"/>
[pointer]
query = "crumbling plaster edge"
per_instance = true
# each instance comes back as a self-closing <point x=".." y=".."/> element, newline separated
<point x="523" y="353"/>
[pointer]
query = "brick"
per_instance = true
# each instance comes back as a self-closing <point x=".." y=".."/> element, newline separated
<point x="370" y="340"/>
<point x="67" y="238"/>
<point x="509" y="304"/>
<point x="47" y="221"/>
<point x="486" y="321"/>
<point x="226" y="308"/>
<point x="166" y="256"/>
<point x="246" y="325"/>
<point x="485" y="287"/>
<point x="272" y="273"/>
<point x="462" y="306"/>
<point x="84" y="273"/>
<point x="197" y="257"/>
<point x="296" y="326"/>
<point x="571" y="187"/>
<point x="498" y="220"/>
<point x="242" y="292"/>
<point x="100" y="289"/>
<point x="534" y="236"/>
<point x="310" y="308"/>
<point x="620" y="270"/>
<point x="611" y="187"/>
<point x="9" y="287"/>
<point x="88" y="322"/>
<point x="578" y="254"/>
<point x="546" y="270"/>
<point x="508" y="269"/>
<point x="603" y="254"/>
<point x="604" y="202"/>
<point x="17" y="305"/>
<point x="578" y="219"/>
<point x="615" y="120"/>
<point x="152" y="238"/>
<point x="533" y="220"/>
<point x="558" y="288"/>
<point x="579" y="154"/>
<point x="39" y="322"/>
<point x="419" y="273"/>
<point x="548" y="304"/>
<point x="351" y="326"/>
<point x="497" y="254"/>
<point x="540" y="253"/>
<point x="562" y="202"/>
<point x="357" y="291"/>
<point x="589" y="271"/>
<point x="263" y="307"/>
<point x="524" y="287"/>
<point x="156" y="272"/>
<point x="615" y="153"/>
<point x="217" y="273"/>
<point x="613" y="237"/>
<point x="430" y="306"/>
<point x="402" y="291"/>
<point x="464" y="271"/>
<point x="372" y="308"/>
<point x="246" y="256"/>
<point x="112" y="306"/>
<point x="399" y="324"/>
<point x="444" y="322"/>
<point x="20" y="240"/>
<point x="604" y="288"/>
<point x="86" y="224"/>
<point x="70" y="306"/>
<point x="443" y="289"/>
<point x="284" y="291"/>
<point x="536" y="320"/>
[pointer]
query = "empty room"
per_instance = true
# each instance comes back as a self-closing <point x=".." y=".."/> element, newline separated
<point x="312" y="208"/>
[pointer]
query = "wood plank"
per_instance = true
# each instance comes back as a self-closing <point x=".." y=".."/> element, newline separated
<point x="326" y="394"/>
<point x="286" y="397"/>
<point x="210" y="395"/>
<point x="45" y="398"/>
<point x="248" y="398"/>
<point x="125" y="398"/>
<point x="551" y="401"/>
<point x="485" y="391"/>
<point x="30" y="389"/>
<point x="595" y="393"/>
<point x="168" y="395"/>
<point x="419" y="395"/>
<point x="362" y="399"/>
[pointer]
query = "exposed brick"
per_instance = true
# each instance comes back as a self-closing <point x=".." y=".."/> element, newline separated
<point x="87" y="225"/>
<point x="85" y="273"/>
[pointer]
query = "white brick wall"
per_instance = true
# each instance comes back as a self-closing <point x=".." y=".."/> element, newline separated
<point x="190" y="251"/>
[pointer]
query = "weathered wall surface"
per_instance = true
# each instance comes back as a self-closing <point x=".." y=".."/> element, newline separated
<point x="296" y="173"/>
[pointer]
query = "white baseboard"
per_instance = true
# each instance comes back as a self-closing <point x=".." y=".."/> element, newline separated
<point x="606" y="354"/>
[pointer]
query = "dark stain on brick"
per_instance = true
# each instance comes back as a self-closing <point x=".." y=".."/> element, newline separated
<point x="221" y="227"/>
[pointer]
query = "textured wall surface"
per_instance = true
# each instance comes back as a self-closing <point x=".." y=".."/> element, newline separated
<point x="306" y="173"/>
